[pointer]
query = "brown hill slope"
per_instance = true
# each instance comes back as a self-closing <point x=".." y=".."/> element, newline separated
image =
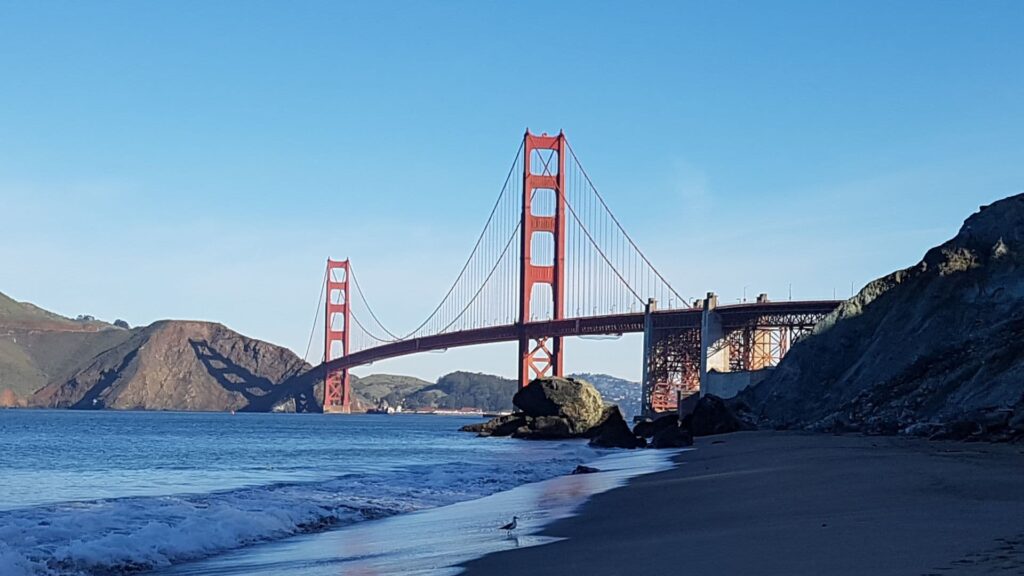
<point x="178" y="365"/>
<point x="937" y="348"/>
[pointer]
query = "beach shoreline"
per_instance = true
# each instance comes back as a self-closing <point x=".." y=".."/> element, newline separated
<point x="786" y="503"/>
<point x="432" y="541"/>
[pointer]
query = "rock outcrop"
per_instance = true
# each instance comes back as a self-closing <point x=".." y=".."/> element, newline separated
<point x="672" y="437"/>
<point x="711" y="415"/>
<point x="612" y="431"/>
<point x="665" y="432"/>
<point x="576" y="402"/>
<point x="558" y="408"/>
<point x="647" y="427"/>
<point x="9" y="399"/>
<point x="936" y="349"/>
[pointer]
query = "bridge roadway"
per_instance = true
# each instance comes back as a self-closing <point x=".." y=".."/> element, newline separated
<point x="734" y="315"/>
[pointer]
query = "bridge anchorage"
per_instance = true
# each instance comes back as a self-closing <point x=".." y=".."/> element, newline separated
<point x="553" y="261"/>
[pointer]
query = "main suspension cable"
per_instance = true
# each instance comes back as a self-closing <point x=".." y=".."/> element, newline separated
<point x="486" y="280"/>
<point x="369" y="308"/>
<point x="316" y="317"/>
<point x="601" y="252"/>
<point x="617" y="223"/>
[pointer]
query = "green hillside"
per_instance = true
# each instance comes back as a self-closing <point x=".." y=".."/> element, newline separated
<point x="38" y="346"/>
<point x="450" y="392"/>
<point x="25" y="314"/>
<point x="466" y="390"/>
<point x="374" y="389"/>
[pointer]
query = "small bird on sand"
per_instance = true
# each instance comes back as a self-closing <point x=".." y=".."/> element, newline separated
<point x="511" y="525"/>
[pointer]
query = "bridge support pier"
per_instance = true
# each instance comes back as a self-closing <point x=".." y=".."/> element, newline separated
<point x="671" y="360"/>
<point x="645" y="379"/>
<point x="711" y="332"/>
<point x="539" y="358"/>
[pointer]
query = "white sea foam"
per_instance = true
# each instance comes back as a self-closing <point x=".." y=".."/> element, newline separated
<point x="130" y="534"/>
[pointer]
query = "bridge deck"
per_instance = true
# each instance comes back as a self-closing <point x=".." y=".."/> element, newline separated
<point x="732" y="315"/>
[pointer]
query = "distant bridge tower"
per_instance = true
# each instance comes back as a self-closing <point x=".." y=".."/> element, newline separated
<point x="543" y="177"/>
<point x="337" y="389"/>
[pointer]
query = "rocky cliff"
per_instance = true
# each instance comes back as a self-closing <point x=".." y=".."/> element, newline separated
<point x="48" y="360"/>
<point x="934" y="349"/>
<point x="178" y="365"/>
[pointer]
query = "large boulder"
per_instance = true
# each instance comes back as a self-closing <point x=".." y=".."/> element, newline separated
<point x="575" y="400"/>
<point x="672" y="437"/>
<point x="665" y="431"/>
<point x="712" y="416"/>
<point x="648" y="428"/>
<point x="556" y="408"/>
<point x="613" y="432"/>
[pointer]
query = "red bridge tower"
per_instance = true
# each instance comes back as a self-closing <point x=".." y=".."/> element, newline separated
<point x="543" y="173"/>
<point x="337" y="391"/>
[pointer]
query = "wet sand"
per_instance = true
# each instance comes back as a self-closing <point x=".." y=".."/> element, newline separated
<point x="772" y="503"/>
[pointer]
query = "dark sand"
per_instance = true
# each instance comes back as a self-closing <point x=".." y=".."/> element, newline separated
<point x="793" y="504"/>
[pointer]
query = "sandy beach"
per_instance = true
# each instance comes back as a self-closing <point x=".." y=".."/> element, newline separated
<point x="776" y="503"/>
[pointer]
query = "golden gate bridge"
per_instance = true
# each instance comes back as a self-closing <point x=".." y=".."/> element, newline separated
<point x="553" y="261"/>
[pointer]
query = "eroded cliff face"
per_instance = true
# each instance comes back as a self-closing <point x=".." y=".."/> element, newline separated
<point x="937" y="348"/>
<point x="179" y="365"/>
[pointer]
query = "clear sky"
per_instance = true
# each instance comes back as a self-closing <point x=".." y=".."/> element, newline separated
<point x="201" y="160"/>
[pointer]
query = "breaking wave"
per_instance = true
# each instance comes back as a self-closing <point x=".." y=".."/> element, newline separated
<point x="128" y="535"/>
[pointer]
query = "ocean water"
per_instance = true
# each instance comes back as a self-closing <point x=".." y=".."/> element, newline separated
<point x="106" y="492"/>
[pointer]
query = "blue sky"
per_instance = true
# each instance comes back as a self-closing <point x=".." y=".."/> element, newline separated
<point x="202" y="159"/>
